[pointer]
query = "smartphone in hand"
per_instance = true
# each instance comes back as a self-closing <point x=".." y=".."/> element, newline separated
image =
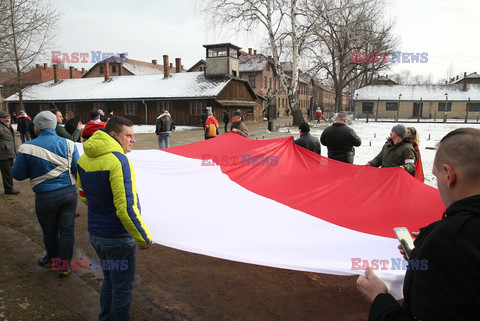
<point x="405" y="239"/>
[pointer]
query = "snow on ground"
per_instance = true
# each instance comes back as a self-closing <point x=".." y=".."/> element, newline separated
<point x="374" y="135"/>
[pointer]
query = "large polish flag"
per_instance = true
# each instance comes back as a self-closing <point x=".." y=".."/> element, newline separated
<point x="273" y="203"/>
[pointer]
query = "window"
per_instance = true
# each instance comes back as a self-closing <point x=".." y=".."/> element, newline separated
<point x="131" y="108"/>
<point x="233" y="53"/>
<point x="441" y="107"/>
<point x="265" y="80"/>
<point x="44" y="107"/>
<point x="251" y="80"/>
<point x="197" y="107"/>
<point x="367" y="107"/>
<point x="217" y="52"/>
<point x="473" y="107"/>
<point x="270" y="83"/>
<point x="101" y="69"/>
<point x="114" y="69"/>
<point x="392" y="106"/>
<point x="164" y="105"/>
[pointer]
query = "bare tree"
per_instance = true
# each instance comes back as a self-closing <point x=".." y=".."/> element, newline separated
<point x="27" y="27"/>
<point x="356" y="26"/>
<point x="285" y="25"/>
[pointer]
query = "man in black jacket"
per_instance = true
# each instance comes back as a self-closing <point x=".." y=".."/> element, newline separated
<point x="448" y="288"/>
<point x="340" y="140"/>
<point x="306" y="140"/>
<point x="164" y="128"/>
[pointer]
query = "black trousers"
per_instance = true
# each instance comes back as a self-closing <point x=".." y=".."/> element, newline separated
<point x="6" y="169"/>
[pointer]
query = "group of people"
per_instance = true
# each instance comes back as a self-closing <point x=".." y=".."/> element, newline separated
<point x="106" y="183"/>
<point x="400" y="150"/>
<point x="165" y="125"/>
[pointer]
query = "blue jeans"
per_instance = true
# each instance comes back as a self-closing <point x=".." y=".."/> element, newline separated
<point x="117" y="284"/>
<point x="161" y="138"/>
<point x="24" y="136"/>
<point x="56" y="216"/>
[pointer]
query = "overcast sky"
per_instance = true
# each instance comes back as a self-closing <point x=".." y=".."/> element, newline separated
<point x="148" y="29"/>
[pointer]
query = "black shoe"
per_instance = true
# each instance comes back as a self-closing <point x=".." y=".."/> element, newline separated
<point x="12" y="191"/>
<point x="45" y="261"/>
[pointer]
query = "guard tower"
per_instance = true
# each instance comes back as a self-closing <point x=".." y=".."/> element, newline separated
<point x="222" y="60"/>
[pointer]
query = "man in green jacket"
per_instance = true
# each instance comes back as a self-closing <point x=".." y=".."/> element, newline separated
<point x="397" y="151"/>
<point x="62" y="132"/>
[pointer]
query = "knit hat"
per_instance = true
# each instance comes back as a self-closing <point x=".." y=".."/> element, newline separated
<point x="304" y="127"/>
<point x="400" y="130"/>
<point x="45" y="120"/>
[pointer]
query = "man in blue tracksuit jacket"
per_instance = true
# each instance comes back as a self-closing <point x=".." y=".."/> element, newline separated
<point x="50" y="162"/>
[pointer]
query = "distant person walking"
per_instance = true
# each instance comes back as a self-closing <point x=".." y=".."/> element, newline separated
<point x="62" y="131"/>
<point x="318" y="115"/>
<point x="211" y="126"/>
<point x="164" y="128"/>
<point x="340" y="140"/>
<point x="226" y="120"/>
<point x="306" y="140"/>
<point x="23" y="123"/>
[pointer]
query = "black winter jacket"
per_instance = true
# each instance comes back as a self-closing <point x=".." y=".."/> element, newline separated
<point x="448" y="289"/>
<point x="309" y="142"/>
<point x="340" y="139"/>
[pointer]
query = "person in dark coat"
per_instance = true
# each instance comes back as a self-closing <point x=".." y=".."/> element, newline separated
<point x="8" y="151"/>
<point x="446" y="288"/>
<point x="226" y="120"/>
<point x="203" y="118"/>
<point x="306" y="140"/>
<point x="340" y="140"/>
<point x="23" y="121"/>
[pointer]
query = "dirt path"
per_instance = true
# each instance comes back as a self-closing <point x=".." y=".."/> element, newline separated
<point x="169" y="284"/>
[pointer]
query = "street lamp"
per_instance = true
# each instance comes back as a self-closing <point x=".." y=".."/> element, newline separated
<point x="398" y="107"/>
<point x="446" y="108"/>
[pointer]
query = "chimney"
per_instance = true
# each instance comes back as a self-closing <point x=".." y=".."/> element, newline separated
<point x="464" y="74"/>
<point x="166" y="70"/>
<point x="255" y="52"/>
<point x="83" y="71"/>
<point x="37" y="65"/>
<point x="171" y="65"/>
<point x="154" y="61"/>
<point x="249" y="51"/>
<point x="464" y="85"/>
<point x="178" y="65"/>
<point x="71" y="72"/>
<point x="55" y="73"/>
<point x="45" y="66"/>
<point x="107" y="71"/>
<point x="120" y="69"/>
<point x="457" y="77"/>
<point x="182" y="68"/>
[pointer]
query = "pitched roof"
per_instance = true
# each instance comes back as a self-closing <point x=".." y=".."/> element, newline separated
<point x="177" y="86"/>
<point x="417" y="92"/>
<point x="43" y="74"/>
<point x="136" y="67"/>
<point x="473" y="75"/>
<point x="250" y="63"/>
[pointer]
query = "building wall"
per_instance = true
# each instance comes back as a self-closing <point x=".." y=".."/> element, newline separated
<point x="430" y="109"/>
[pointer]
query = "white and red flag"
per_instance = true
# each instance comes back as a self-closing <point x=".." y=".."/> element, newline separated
<point x="273" y="203"/>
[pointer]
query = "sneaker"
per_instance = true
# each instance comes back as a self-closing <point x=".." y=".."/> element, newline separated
<point x="64" y="274"/>
<point x="45" y="261"/>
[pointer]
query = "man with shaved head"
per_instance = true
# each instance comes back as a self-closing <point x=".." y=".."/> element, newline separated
<point x="448" y="288"/>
